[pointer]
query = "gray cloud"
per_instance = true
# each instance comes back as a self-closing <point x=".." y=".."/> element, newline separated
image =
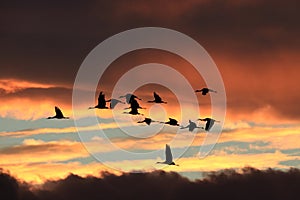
<point x="47" y="42"/>
<point x="227" y="184"/>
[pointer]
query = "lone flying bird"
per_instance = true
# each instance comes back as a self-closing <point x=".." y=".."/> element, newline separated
<point x="58" y="114"/>
<point x="169" y="157"/>
<point x="172" y="122"/>
<point x="147" y="121"/>
<point x="209" y="123"/>
<point x="191" y="126"/>
<point x="101" y="102"/>
<point x="157" y="99"/>
<point x="129" y="97"/>
<point x="204" y="91"/>
<point x="114" y="102"/>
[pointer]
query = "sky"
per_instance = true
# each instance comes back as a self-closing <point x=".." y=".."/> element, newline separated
<point x="254" y="44"/>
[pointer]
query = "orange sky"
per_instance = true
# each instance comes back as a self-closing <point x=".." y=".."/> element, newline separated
<point x="254" y="44"/>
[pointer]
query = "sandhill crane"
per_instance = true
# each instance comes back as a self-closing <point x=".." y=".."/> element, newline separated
<point x="101" y="102"/>
<point x="157" y="99"/>
<point x="147" y="121"/>
<point x="172" y="122"/>
<point x="134" y="106"/>
<point x="129" y="97"/>
<point x="114" y="102"/>
<point x="209" y="123"/>
<point x="204" y="91"/>
<point x="58" y="114"/>
<point x="169" y="157"/>
<point x="191" y="126"/>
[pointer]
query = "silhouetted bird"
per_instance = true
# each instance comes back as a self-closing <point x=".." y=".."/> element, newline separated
<point x="58" y="114"/>
<point x="134" y="106"/>
<point x="191" y="126"/>
<point x="209" y="123"/>
<point x="129" y="97"/>
<point x="205" y="91"/>
<point x="133" y="111"/>
<point x="147" y="121"/>
<point x="157" y="99"/>
<point x="172" y="122"/>
<point x="101" y="102"/>
<point x="114" y="102"/>
<point x="169" y="157"/>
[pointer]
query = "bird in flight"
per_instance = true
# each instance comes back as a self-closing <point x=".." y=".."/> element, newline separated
<point x="129" y="97"/>
<point x="147" y="121"/>
<point x="58" y="114"/>
<point x="114" y="102"/>
<point x="209" y="123"/>
<point x="169" y="157"/>
<point x="134" y="106"/>
<point x="204" y="91"/>
<point x="191" y="126"/>
<point x="101" y="102"/>
<point x="172" y="122"/>
<point x="157" y="99"/>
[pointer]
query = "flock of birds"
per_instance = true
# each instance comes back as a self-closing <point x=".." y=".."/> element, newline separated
<point x="131" y="99"/>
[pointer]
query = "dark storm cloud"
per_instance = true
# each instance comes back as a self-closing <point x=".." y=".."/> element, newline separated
<point x="251" y="42"/>
<point x="46" y="41"/>
<point x="228" y="184"/>
<point x="11" y="189"/>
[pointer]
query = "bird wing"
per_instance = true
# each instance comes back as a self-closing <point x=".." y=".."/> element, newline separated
<point x="209" y="124"/>
<point x="148" y="121"/>
<point x="173" y="120"/>
<point x="169" y="157"/>
<point x="58" y="112"/>
<point x="129" y="98"/>
<point x="113" y="103"/>
<point x="192" y="126"/>
<point x="99" y="98"/>
<point x="157" y="97"/>
<point x="134" y="104"/>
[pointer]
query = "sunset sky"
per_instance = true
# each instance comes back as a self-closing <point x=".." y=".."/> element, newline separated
<point x="254" y="44"/>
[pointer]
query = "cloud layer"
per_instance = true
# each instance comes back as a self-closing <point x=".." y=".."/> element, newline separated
<point x="254" y="43"/>
<point x="229" y="184"/>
